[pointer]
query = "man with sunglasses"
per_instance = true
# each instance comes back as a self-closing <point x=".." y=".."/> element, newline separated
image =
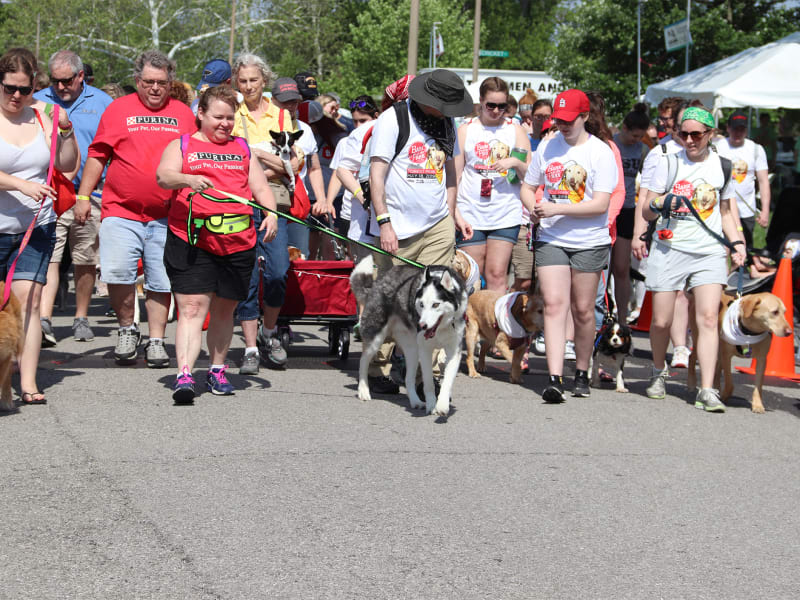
<point x="85" y="105"/>
<point x="132" y="134"/>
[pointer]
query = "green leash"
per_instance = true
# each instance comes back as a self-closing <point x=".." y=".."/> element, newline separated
<point x="326" y="230"/>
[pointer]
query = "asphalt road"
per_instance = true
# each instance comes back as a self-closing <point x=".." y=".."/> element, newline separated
<point x="293" y="488"/>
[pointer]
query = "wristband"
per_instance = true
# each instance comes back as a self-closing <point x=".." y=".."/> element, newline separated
<point x="740" y="229"/>
<point x="82" y="197"/>
<point x="383" y="219"/>
<point x="357" y="191"/>
<point x="66" y="132"/>
<point x="383" y="216"/>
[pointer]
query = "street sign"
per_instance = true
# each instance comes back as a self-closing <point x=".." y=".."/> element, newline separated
<point x="498" y="53"/>
<point x="677" y="35"/>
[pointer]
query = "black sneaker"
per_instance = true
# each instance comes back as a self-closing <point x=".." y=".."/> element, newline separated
<point x="581" y="389"/>
<point x="383" y="385"/>
<point x="554" y="392"/>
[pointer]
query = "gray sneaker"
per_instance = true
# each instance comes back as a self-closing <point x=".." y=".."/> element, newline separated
<point x="708" y="400"/>
<point x="657" y="389"/>
<point x="127" y="345"/>
<point x="155" y="354"/>
<point x="250" y="364"/>
<point x="81" y="330"/>
<point x="48" y="335"/>
<point x="271" y="350"/>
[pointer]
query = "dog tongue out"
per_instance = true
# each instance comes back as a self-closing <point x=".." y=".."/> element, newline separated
<point x="432" y="331"/>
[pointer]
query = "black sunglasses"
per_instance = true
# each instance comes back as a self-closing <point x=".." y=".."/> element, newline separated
<point x="499" y="105"/>
<point x="362" y="104"/>
<point x="25" y="90"/>
<point x="65" y="82"/>
<point x="695" y="135"/>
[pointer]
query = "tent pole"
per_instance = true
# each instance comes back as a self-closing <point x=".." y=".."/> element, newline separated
<point x="689" y="33"/>
<point x="639" y="50"/>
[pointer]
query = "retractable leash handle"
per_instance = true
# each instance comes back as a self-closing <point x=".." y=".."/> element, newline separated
<point x="326" y="230"/>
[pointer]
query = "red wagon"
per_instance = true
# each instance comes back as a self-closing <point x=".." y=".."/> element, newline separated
<point x="318" y="292"/>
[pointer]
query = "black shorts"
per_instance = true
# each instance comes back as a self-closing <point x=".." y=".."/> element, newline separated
<point x="625" y="223"/>
<point x="192" y="270"/>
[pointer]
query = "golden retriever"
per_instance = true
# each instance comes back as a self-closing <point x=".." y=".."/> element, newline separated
<point x="11" y="340"/>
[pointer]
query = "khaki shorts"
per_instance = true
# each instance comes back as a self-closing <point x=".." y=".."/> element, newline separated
<point x="436" y="246"/>
<point x="282" y="198"/>
<point x="670" y="270"/>
<point x="521" y="257"/>
<point x="83" y="241"/>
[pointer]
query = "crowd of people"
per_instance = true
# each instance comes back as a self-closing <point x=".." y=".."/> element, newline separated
<point x="183" y="182"/>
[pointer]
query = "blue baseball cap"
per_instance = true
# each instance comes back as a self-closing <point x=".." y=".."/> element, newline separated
<point x="215" y="72"/>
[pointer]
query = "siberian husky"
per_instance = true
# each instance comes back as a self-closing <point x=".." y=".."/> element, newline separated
<point x="422" y="310"/>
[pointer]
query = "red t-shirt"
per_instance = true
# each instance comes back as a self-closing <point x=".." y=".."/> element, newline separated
<point x="228" y="167"/>
<point x="134" y="137"/>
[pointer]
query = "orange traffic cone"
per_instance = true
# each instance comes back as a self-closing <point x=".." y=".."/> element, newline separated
<point x="780" y="360"/>
<point x="645" y="314"/>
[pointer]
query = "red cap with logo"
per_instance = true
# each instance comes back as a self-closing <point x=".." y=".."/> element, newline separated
<point x="569" y="104"/>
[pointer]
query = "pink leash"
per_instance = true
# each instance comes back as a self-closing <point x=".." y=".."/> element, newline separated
<point x="26" y="238"/>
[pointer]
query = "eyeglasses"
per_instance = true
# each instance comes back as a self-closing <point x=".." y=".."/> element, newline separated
<point x="362" y="104"/>
<point x="148" y="83"/>
<point x="695" y="135"/>
<point x="65" y="82"/>
<point x="497" y="105"/>
<point x="24" y="90"/>
<point x="664" y="119"/>
<point x="541" y="117"/>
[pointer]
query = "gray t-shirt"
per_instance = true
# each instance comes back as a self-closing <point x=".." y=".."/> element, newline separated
<point x="631" y="165"/>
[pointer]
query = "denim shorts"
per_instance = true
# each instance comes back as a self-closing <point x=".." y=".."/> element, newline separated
<point x="479" y="236"/>
<point x="34" y="260"/>
<point x="123" y="242"/>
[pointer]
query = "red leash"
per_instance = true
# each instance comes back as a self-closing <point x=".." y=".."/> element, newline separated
<point x="26" y="238"/>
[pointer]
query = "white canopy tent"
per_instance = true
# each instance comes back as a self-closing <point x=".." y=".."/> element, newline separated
<point x="765" y="77"/>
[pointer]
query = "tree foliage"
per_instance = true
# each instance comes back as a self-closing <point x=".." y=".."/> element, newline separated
<point x="596" y="41"/>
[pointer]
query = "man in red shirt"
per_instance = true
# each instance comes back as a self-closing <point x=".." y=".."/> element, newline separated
<point x="133" y="132"/>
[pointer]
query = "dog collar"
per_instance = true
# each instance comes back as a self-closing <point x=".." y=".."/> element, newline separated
<point x="734" y="332"/>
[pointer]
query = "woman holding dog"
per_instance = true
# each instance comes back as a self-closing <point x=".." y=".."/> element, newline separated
<point x="25" y="138"/>
<point x="487" y="198"/>
<point x="579" y="173"/>
<point x="210" y="250"/>
<point x="687" y="252"/>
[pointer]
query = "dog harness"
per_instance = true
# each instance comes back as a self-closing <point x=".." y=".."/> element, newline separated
<point x="505" y="321"/>
<point x="474" y="281"/>
<point x="734" y="332"/>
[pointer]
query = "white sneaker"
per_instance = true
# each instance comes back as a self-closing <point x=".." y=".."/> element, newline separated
<point x="680" y="357"/>
<point x="538" y="344"/>
<point x="569" y="350"/>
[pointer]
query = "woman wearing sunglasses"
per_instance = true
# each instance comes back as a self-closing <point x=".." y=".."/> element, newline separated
<point x="25" y="136"/>
<point x="486" y="197"/>
<point x="685" y="255"/>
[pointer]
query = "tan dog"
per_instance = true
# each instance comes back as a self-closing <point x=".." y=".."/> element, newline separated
<point x="704" y="199"/>
<point x="498" y="152"/>
<point x="11" y="340"/>
<point x="759" y="313"/>
<point x="295" y="254"/>
<point x="528" y="310"/>
<point x="467" y="269"/>
<point x="575" y="181"/>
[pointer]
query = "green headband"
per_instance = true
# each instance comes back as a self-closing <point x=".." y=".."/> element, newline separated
<point x="701" y="115"/>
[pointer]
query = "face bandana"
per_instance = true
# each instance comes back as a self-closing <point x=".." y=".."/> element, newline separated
<point x="440" y="129"/>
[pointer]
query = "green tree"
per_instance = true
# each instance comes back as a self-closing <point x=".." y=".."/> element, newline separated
<point x="596" y="41"/>
<point x="376" y="52"/>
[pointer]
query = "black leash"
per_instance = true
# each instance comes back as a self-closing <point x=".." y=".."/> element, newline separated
<point x="320" y="227"/>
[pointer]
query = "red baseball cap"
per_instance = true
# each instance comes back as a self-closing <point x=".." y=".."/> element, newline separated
<point x="569" y="104"/>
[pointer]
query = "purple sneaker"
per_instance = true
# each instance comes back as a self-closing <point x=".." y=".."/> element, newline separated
<point x="183" y="390"/>
<point x="217" y="383"/>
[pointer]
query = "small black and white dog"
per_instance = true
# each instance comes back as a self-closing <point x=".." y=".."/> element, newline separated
<point x="422" y="310"/>
<point x="612" y="345"/>
<point x="282" y="142"/>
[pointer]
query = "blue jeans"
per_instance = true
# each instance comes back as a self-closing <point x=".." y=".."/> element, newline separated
<point x="276" y="265"/>
<point x="34" y="260"/>
<point x="298" y="237"/>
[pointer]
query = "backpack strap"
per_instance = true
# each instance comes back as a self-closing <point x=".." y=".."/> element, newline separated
<point x="403" y="126"/>
<point x="243" y="143"/>
<point x="184" y="144"/>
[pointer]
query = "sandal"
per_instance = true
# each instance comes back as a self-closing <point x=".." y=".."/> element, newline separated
<point x="33" y="398"/>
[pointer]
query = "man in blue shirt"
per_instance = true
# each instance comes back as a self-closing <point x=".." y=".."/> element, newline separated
<point x="84" y="105"/>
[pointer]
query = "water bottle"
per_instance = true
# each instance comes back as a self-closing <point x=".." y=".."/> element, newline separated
<point x="522" y="154"/>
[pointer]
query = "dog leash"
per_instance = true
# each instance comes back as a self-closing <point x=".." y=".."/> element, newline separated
<point x="321" y="228"/>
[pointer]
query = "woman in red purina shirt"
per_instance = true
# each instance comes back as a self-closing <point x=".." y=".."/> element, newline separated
<point x="210" y="249"/>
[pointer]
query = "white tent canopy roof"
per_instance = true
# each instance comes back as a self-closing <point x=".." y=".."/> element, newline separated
<point x="765" y="77"/>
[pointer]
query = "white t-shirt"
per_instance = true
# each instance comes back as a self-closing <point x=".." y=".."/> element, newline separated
<point x="499" y="206"/>
<point x="573" y="174"/>
<point x="746" y="160"/>
<point x="350" y="159"/>
<point x="308" y="144"/>
<point x="416" y="196"/>
<point x="652" y="159"/>
<point x="336" y="159"/>
<point x="701" y="183"/>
